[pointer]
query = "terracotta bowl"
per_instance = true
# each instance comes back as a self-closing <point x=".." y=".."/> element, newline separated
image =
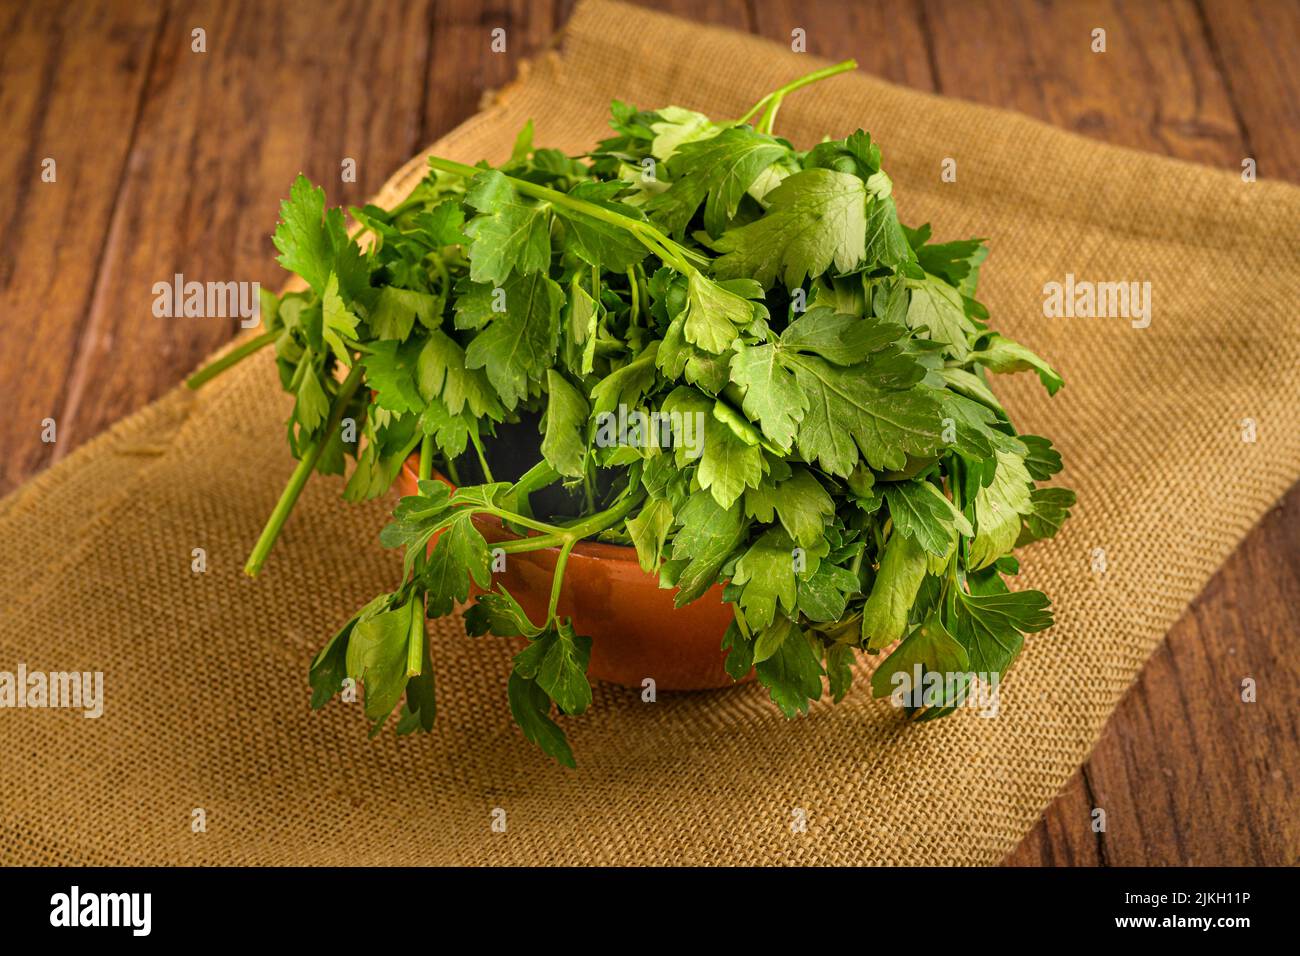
<point x="636" y="631"/>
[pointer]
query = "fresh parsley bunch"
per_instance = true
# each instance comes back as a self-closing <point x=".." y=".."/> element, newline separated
<point x="857" y="482"/>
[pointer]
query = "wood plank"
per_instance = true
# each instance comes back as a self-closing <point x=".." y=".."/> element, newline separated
<point x="463" y="66"/>
<point x="1155" y="87"/>
<point x="71" y="77"/>
<point x="1212" y="779"/>
<point x="886" y="37"/>
<point x="462" y="63"/>
<point x="1255" y="46"/>
<point x="221" y="136"/>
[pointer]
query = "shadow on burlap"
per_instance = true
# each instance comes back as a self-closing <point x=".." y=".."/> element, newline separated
<point x="206" y="691"/>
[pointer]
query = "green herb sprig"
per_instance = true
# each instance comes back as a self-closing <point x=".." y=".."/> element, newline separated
<point x="855" y="482"/>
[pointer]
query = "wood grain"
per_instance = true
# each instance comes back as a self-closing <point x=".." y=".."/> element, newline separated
<point x="175" y="161"/>
<point x="71" y="83"/>
<point x="220" y="135"/>
<point x="1255" y="47"/>
<point x="1155" y="87"/>
<point x="462" y="63"/>
<point x="887" y="39"/>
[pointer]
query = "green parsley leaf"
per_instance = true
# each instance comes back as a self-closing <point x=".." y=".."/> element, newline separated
<point x="557" y="659"/>
<point x="770" y="393"/>
<point x="1001" y="354"/>
<point x="740" y="652"/>
<point x="498" y="612"/>
<point x="991" y="627"/>
<point x="329" y="668"/>
<point x="531" y="708"/>
<point x="674" y="126"/>
<point x="839" y="338"/>
<point x="304" y="243"/>
<point x="339" y="321"/>
<point x="1042" y="461"/>
<point x="442" y="372"/>
<point x="510" y="233"/>
<point x="998" y="509"/>
<point x="517" y="347"/>
<point x="649" y="531"/>
<point x="839" y="670"/>
<point x="824" y="595"/>
<point x="1048" y="509"/>
<point x="396" y="310"/>
<point x="714" y="314"/>
<point x="391" y="370"/>
<point x="765" y="575"/>
<point x="886" y="243"/>
<point x="937" y="306"/>
<point x="849" y="413"/>
<point x="884" y="616"/>
<point x="563" y="445"/>
<point x="815" y="219"/>
<point x="792" y="672"/>
<point x="803" y="506"/>
<point x="717" y="171"/>
<point x="728" y="462"/>
<point x="931" y="647"/>
<point x="377" y="655"/>
<point x="313" y="405"/>
<point x="707" y="535"/>
<point x="923" y="512"/>
<point x="596" y="241"/>
<point x="460" y="556"/>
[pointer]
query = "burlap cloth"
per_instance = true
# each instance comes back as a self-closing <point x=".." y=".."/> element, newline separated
<point x="205" y="674"/>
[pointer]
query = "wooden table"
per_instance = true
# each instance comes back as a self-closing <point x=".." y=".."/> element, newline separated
<point x="171" y="160"/>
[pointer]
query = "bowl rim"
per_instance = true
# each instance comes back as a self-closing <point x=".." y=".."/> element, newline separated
<point x="596" y="550"/>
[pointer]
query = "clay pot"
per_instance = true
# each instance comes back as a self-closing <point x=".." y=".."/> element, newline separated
<point x="636" y="631"/>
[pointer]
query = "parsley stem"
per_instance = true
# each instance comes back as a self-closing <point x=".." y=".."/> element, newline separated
<point x="534" y="542"/>
<point x="594" y="524"/>
<point x="635" y="310"/>
<point x="645" y="291"/>
<point x="415" y="640"/>
<point x="557" y="578"/>
<point x="951" y="583"/>
<point x="957" y="482"/>
<point x="519" y="519"/>
<point x="768" y="119"/>
<point x="441" y="268"/>
<point x="669" y="252"/>
<point x="650" y="237"/>
<point x="591" y="525"/>
<point x="773" y="99"/>
<point x="235" y="355"/>
<point x="482" y="458"/>
<point x="426" y="457"/>
<point x="306" y="465"/>
<point x="536" y="477"/>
